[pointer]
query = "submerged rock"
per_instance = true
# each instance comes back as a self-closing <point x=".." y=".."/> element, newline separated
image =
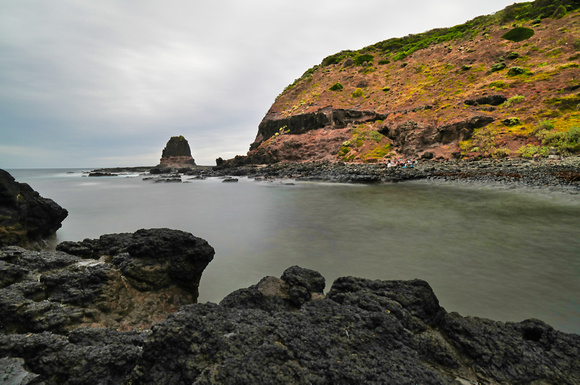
<point x="26" y="218"/>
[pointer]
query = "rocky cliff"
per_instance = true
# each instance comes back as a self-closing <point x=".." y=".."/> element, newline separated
<point x="501" y="85"/>
<point x="26" y="218"/>
<point x="176" y="154"/>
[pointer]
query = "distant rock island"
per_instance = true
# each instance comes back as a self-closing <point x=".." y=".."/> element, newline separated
<point x="177" y="153"/>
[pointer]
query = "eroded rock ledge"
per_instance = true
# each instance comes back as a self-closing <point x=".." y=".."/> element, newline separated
<point x="286" y="330"/>
<point x="121" y="281"/>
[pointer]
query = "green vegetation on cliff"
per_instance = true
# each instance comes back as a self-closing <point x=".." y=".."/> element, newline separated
<point x="526" y="53"/>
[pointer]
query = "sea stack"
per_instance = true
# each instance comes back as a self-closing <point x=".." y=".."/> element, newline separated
<point x="177" y="153"/>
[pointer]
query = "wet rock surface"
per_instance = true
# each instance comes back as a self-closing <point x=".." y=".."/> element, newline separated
<point x="26" y="218"/>
<point x="286" y="330"/>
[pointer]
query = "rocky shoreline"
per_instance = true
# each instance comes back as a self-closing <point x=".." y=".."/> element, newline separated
<point x="121" y="309"/>
<point x="539" y="173"/>
<point x="554" y="174"/>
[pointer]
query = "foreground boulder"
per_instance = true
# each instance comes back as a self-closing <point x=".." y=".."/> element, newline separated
<point x="122" y="281"/>
<point x="26" y="218"/>
<point x="363" y="332"/>
<point x="287" y="331"/>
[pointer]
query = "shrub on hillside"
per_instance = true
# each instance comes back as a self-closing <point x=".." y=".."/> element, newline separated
<point x="518" y="34"/>
<point x="361" y="59"/>
<point x="515" y="71"/>
<point x="512" y="122"/>
<point x="560" y="12"/>
<point x="513" y="100"/>
<point x="357" y="93"/>
<point x="529" y="151"/>
<point x="501" y="152"/>
<point x="565" y="142"/>
<point x="336" y="87"/>
<point x="497" y="67"/>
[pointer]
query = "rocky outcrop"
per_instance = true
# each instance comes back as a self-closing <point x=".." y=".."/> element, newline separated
<point x="285" y="330"/>
<point x="176" y="154"/>
<point x="324" y="118"/>
<point x="412" y="138"/>
<point x="26" y="218"/>
<point x="363" y="332"/>
<point x="320" y="135"/>
<point x="122" y="281"/>
<point x="493" y="100"/>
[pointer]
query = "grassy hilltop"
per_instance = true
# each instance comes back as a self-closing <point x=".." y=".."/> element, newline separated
<point x="500" y="85"/>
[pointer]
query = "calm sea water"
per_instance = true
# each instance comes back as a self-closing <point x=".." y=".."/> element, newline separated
<point x="501" y="254"/>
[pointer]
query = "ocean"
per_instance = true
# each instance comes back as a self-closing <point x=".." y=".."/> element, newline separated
<point x="499" y="253"/>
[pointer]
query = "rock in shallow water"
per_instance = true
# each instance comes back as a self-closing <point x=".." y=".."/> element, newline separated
<point x="26" y="218"/>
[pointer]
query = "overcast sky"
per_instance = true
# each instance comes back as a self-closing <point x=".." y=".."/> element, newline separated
<point x="107" y="83"/>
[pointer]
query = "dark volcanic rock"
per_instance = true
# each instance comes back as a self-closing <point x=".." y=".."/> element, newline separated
<point x="494" y="100"/>
<point x="285" y="331"/>
<point x="26" y="218"/>
<point x="151" y="259"/>
<point x="119" y="280"/>
<point x="363" y="332"/>
<point x="324" y="118"/>
<point x="85" y="356"/>
<point x="296" y="287"/>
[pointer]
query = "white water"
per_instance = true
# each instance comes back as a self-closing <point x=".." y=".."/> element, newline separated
<point x="500" y="254"/>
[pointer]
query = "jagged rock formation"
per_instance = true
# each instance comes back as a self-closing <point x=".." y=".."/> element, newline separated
<point x="176" y="154"/>
<point x="325" y="118"/>
<point x="472" y="90"/>
<point x="122" y="281"/>
<point x="286" y="330"/>
<point x="26" y="218"/>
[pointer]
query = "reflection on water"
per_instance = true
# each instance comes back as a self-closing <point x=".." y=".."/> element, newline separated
<point x="505" y="255"/>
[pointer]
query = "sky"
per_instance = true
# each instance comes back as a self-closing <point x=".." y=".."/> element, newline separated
<point x="107" y="83"/>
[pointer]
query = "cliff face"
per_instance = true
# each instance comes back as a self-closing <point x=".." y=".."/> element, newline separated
<point x="500" y="85"/>
<point x="177" y="153"/>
